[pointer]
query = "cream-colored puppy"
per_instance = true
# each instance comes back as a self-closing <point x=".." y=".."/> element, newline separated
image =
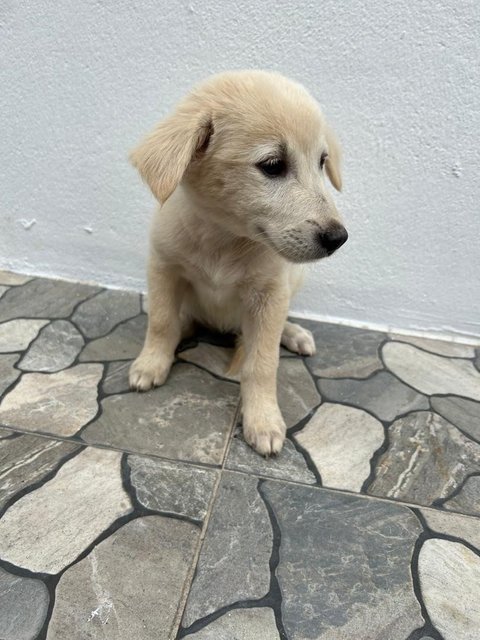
<point x="238" y="169"/>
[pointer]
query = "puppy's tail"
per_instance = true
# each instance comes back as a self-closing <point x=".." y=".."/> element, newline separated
<point x="237" y="359"/>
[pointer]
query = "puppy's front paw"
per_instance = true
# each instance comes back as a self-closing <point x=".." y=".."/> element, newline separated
<point x="265" y="435"/>
<point x="298" y="340"/>
<point x="148" y="371"/>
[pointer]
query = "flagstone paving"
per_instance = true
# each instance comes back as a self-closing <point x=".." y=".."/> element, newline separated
<point x="126" y="515"/>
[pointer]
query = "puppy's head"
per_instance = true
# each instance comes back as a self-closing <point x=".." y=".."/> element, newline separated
<point x="252" y="149"/>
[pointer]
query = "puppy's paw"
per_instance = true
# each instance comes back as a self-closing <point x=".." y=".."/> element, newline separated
<point x="266" y="435"/>
<point x="148" y="371"/>
<point x="298" y="340"/>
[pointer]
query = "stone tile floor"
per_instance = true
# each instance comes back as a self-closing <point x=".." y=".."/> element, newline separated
<point x="127" y="516"/>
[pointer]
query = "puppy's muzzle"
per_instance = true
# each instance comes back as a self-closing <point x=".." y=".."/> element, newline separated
<point x="333" y="238"/>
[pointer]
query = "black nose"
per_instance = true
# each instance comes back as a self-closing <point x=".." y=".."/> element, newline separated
<point x="333" y="239"/>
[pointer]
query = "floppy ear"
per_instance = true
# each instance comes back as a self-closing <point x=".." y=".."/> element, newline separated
<point x="163" y="156"/>
<point x="334" y="159"/>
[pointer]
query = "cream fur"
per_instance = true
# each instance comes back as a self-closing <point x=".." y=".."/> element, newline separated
<point x="228" y="242"/>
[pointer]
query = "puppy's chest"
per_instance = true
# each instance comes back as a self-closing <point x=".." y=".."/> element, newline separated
<point x="215" y="276"/>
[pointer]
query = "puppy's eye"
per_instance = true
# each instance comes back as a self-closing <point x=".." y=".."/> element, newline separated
<point x="273" y="168"/>
<point x="323" y="158"/>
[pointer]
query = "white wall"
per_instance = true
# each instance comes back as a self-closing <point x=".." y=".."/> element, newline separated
<point x="81" y="82"/>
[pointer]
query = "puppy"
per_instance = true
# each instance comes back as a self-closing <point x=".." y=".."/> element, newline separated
<point x="238" y="169"/>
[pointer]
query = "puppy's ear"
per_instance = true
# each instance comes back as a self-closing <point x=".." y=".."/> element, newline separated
<point x="334" y="160"/>
<point x="163" y="156"/>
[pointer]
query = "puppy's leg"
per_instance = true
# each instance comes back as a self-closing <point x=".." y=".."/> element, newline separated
<point x="263" y="425"/>
<point x="297" y="339"/>
<point x="165" y="292"/>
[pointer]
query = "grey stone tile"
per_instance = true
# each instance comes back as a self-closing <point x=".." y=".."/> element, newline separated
<point x="432" y="374"/>
<point x="124" y="343"/>
<point x="129" y="586"/>
<point x="453" y="524"/>
<point x="467" y="500"/>
<point x="44" y="299"/>
<point x="58" y="403"/>
<point x="344" y="569"/>
<point x="16" y="335"/>
<point x="241" y="624"/>
<point x="344" y="352"/>
<point x="449" y="575"/>
<point x="341" y="442"/>
<point x="477" y="359"/>
<point x="116" y="377"/>
<point x="26" y="459"/>
<point x="56" y="348"/>
<point x="427" y="459"/>
<point x="297" y="394"/>
<point x="13" y="279"/>
<point x="172" y="487"/>
<point x="234" y="562"/>
<point x="23" y="607"/>
<point x="188" y="418"/>
<point x="3" y="290"/>
<point x="289" y="465"/>
<point x="98" y="316"/>
<point x="8" y="373"/>
<point x="464" y="414"/>
<point x="211" y="357"/>
<point x="382" y="394"/>
<point x="441" y="347"/>
<point x="47" y="529"/>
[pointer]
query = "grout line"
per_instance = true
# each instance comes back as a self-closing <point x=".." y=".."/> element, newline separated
<point x="193" y="568"/>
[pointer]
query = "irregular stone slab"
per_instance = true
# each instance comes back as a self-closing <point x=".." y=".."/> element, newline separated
<point x="23" y="607"/>
<point x="344" y="352"/>
<point x="477" y="360"/>
<point x="13" y="279"/>
<point x="116" y="378"/>
<point x="341" y="441"/>
<point x="44" y="299"/>
<point x="427" y="458"/>
<point x="129" y="586"/>
<point x="432" y="374"/>
<point x="8" y="373"/>
<point x="2" y="290"/>
<point x="215" y="359"/>
<point x="297" y="394"/>
<point x="453" y="524"/>
<point x="56" y="348"/>
<point x="344" y="569"/>
<point x="172" y="487"/>
<point x="241" y="624"/>
<point x="289" y="465"/>
<point x="467" y="500"/>
<point x="59" y="403"/>
<point x="234" y="562"/>
<point x="124" y="343"/>
<point x="450" y="582"/>
<point x="382" y="394"/>
<point x="100" y="314"/>
<point x="25" y="459"/>
<point x="16" y="335"/>
<point x="464" y="414"/>
<point x="48" y="528"/>
<point x="188" y="418"/>
<point x="440" y="347"/>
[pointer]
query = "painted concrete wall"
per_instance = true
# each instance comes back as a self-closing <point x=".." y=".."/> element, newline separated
<point x="82" y="81"/>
